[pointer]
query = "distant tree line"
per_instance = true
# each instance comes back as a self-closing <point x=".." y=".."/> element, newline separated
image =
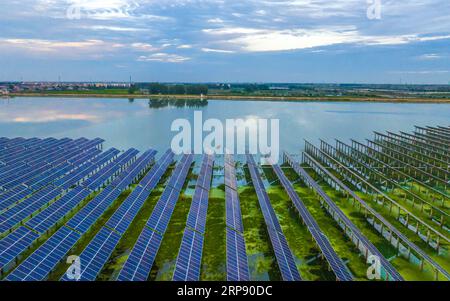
<point x="172" y="89"/>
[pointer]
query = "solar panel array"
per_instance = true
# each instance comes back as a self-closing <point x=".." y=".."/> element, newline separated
<point x="14" y="244"/>
<point x="27" y="178"/>
<point x="363" y="242"/>
<point x="139" y="263"/>
<point x="335" y="262"/>
<point x="110" y="171"/>
<point x="237" y="261"/>
<point x="101" y="247"/>
<point x="15" y="215"/>
<point x="382" y="219"/>
<point x="190" y="254"/>
<point x="40" y="264"/>
<point x="284" y="256"/>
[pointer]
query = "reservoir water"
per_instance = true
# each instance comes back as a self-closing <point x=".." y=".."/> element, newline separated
<point x="142" y="124"/>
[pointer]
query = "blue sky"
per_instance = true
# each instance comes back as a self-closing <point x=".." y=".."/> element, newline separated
<point x="225" y="41"/>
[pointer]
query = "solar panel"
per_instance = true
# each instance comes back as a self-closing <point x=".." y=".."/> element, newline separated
<point x="11" y="197"/>
<point x="237" y="262"/>
<point x="335" y="262"/>
<point x="124" y="216"/>
<point x="14" y="244"/>
<point x="87" y="216"/>
<point x="197" y="215"/>
<point x="285" y="259"/>
<point x="189" y="257"/>
<point x="233" y="210"/>
<point x="337" y="212"/>
<point x="56" y="211"/>
<point x="19" y="212"/>
<point x="95" y="255"/>
<point x="140" y="262"/>
<point x="136" y="268"/>
<point x="38" y="265"/>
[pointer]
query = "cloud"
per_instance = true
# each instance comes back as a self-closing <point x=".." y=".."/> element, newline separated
<point x="430" y="56"/>
<point x="217" y="50"/>
<point x="422" y="72"/>
<point x="59" y="48"/>
<point x="260" y="40"/>
<point x="163" y="57"/>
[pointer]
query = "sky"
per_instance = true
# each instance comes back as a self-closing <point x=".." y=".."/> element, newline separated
<point x="320" y="41"/>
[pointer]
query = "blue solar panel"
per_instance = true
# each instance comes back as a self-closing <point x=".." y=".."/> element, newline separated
<point x="11" y="197"/>
<point x="190" y="257"/>
<point x="38" y="265"/>
<point x="233" y="210"/>
<point x="364" y="242"/>
<point x="136" y="268"/>
<point x="56" y="211"/>
<point x="87" y="216"/>
<point x="237" y="262"/>
<point x="14" y="244"/>
<point x="109" y="171"/>
<point x="96" y="254"/>
<point x="199" y="207"/>
<point x="285" y="259"/>
<point x="23" y="210"/>
<point x="140" y="262"/>
<point x="336" y="264"/>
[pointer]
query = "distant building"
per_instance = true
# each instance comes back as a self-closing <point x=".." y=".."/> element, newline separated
<point x="4" y="92"/>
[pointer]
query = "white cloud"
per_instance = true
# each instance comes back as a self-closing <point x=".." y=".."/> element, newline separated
<point x="163" y="57"/>
<point x="184" y="46"/>
<point x="217" y="50"/>
<point x="430" y="56"/>
<point x="92" y="48"/>
<point x="260" y="40"/>
<point x="143" y="47"/>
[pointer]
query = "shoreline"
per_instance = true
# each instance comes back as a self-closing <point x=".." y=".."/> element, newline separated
<point x="239" y="97"/>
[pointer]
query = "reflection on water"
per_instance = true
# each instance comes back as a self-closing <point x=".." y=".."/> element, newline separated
<point x="177" y="103"/>
<point x="144" y="123"/>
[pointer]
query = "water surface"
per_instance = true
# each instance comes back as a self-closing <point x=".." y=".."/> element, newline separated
<point x="143" y="124"/>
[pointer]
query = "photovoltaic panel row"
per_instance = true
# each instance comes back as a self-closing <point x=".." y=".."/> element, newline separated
<point x="206" y="170"/>
<point x="284" y="256"/>
<point x="190" y="257"/>
<point x="57" y="210"/>
<point x="132" y="173"/>
<point x="335" y="262"/>
<point x="95" y="255"/>
<point x="390" y="270"/>
<point x="87" y="216"/>
<point x="180" y="173"/>
<point x="19" y="192"/>
<point x="163" y="210"/>
<point x="237" y="262"/>
<point x="392" y="228"/>
<point x="124" y="216"/>
<point x="11" y="197"/>
<point x="15" y="215"/>
<point x="266" y="207"/>
<point x="99" y="250"/>
<point x="233" y="210"/>
<point x="190" y="254"/>
<point x="38" y="265"/>
<point x="64" y="239"/>
<point x="14" y="244"/>
<point x="139" y="263"/>
<point x="97" y="180"/>
<point x="152" y="179"/>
